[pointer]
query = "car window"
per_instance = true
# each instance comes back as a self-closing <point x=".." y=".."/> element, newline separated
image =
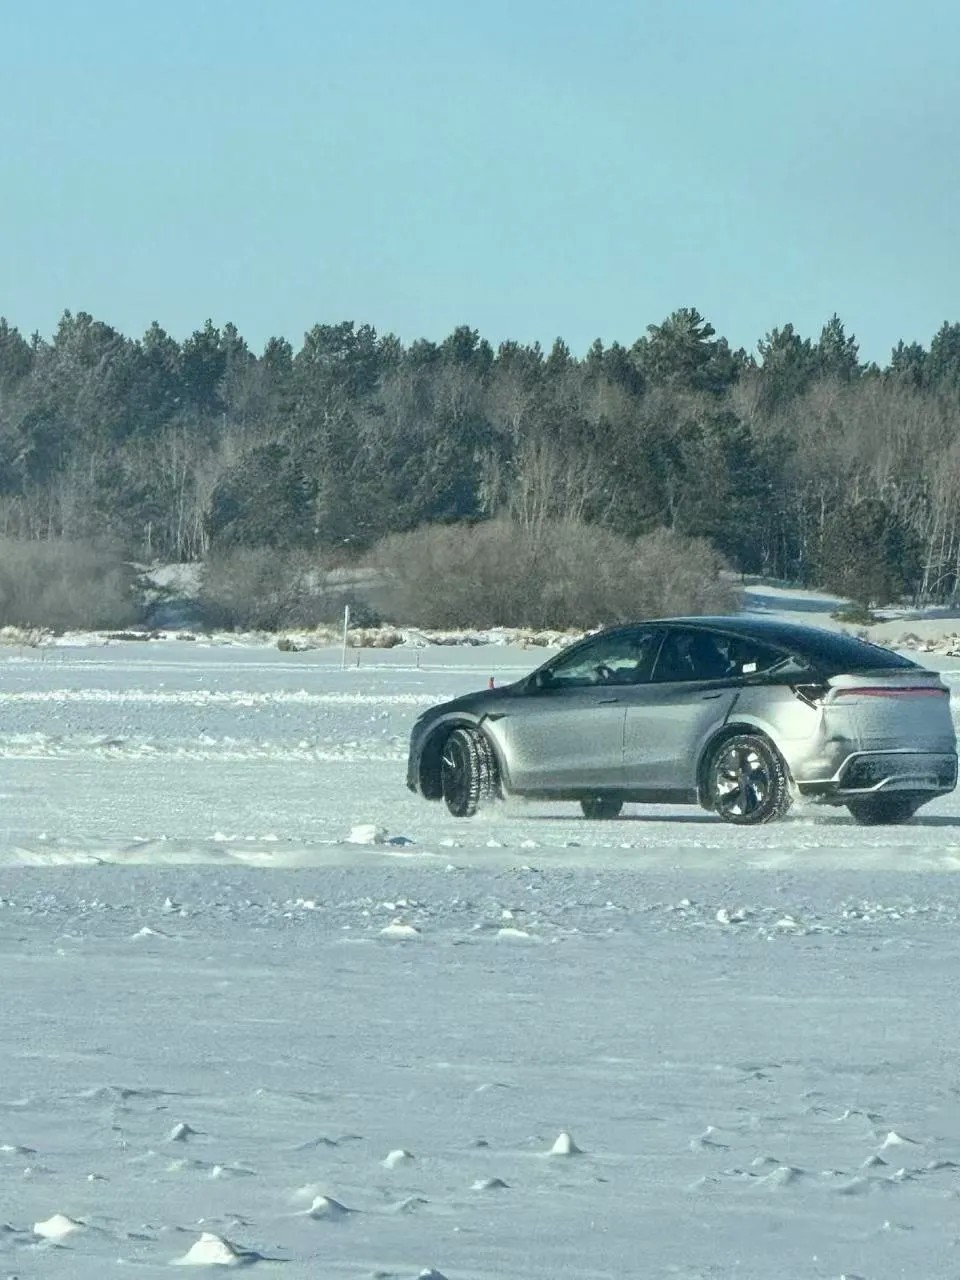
<point x="835" y="653"/>
<point x="749" y="657"/>
<point x="623" y="657"/>
<point x="706" y="655"/>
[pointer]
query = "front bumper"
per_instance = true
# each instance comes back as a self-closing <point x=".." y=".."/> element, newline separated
<point x="867" y="773"/>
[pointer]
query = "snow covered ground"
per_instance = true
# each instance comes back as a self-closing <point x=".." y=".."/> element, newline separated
<point x="233" y="1035"/>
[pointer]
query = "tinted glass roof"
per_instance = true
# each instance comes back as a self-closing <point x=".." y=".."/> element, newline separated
<point x="832" y="648"/>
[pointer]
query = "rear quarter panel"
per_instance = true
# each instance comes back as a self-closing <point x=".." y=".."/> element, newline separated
<point x="792" y="725"/>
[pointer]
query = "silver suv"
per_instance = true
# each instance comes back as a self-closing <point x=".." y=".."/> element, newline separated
<point x="736" y="714"/>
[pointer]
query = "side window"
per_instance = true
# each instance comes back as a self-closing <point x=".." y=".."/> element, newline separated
<point x="749" y="657"/>
<point x="626" y="657"/>
<point x="705" y="655"/>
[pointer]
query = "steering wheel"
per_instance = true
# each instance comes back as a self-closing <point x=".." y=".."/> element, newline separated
<point x="605" y="672"/>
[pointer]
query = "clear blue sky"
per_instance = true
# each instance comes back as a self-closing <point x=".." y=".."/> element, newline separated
<point x="531" y="168"/>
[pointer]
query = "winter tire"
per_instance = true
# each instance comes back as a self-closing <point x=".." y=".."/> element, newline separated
<point x="601" y="808"/>
<point x="467" y="772"/>
<point x="747" y="781"/>
<point x="881" y="811"/>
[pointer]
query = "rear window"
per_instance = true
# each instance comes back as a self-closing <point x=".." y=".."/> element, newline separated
<point x="840" y="654"/>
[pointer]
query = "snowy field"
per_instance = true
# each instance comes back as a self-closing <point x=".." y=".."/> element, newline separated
<point x="229" y="1035"/>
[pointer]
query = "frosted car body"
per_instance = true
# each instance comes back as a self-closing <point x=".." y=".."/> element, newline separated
<point x="736" y="714"/>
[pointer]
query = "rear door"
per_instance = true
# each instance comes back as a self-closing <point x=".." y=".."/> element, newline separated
<point x="692" y="690"/>
<point x="565" y="733"/>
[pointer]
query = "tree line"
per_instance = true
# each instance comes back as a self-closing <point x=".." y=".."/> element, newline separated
<point x="799" y="461"/>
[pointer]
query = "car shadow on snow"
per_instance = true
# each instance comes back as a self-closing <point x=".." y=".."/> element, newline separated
<point x="844" y="820"/>
<point x="821" y="819"/>
<point x="672" y="818"/>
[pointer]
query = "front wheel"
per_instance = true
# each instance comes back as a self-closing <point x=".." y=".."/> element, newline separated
<point x="882" y="811"/>
<point x="467" y="772"/>
<point x="601" y="808"/>
<point x="747" y="781"/>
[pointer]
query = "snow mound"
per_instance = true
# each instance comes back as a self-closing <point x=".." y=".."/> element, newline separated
<point x="57" y="1227"/>
<point x="490" y="1184"/>
<point x="735" y="915"/>
<point x="325" y="1207"/>
<point x="214" y="1251"/>
<point x="565" y="1146"/>
<point x="707" y="1140"/>
<point x="894" y="1139"/>
<point x="367" y="833"/>
<point x="430" y="1274"/>
<point x="231" y="1171"/>
<point x="395" y="1158"/>
<point x="412" y="1204"/>
<point x="181" y="1133"/>
<point x="784" y="1175"/>
<point x="401" y="932"/>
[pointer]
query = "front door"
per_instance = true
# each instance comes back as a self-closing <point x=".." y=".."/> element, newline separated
<point x="565" y="733"/>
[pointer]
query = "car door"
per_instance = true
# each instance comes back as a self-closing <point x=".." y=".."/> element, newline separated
<point x="565" y="732"/>
<point x="690" y="694"/>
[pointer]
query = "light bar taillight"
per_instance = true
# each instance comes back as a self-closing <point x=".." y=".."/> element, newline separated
<point x="894" y="691"/>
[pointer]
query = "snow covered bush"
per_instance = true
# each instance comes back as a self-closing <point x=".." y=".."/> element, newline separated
<point x="65" y="585"/>
<point x="265" y="589"/>
<point x="549" y="574"/>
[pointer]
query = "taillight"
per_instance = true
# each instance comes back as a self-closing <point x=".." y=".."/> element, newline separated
<point x="812" y="694"/>
<point x="893" y="691"/>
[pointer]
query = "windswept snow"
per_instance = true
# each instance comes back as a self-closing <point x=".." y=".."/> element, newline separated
<point x="262" y="1008"/>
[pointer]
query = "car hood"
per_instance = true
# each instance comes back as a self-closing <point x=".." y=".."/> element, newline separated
<point x="477" y="703"/>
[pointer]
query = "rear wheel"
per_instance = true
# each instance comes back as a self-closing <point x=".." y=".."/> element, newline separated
<point x="747" y="781"/>
<point x="467" y="772"/>
<point x="881" y="811"/>
<point x="601" y="808"/>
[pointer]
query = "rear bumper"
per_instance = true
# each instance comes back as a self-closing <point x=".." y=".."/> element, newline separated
<point x="867" y="773"/>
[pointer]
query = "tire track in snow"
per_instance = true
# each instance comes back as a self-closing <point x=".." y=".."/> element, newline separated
<point x="46" y="747"/>
<point x="223" y="698"/>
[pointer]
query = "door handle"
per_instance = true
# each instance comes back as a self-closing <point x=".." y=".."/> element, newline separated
<point x="707" y="697"/>
<point x="606" y="702"/>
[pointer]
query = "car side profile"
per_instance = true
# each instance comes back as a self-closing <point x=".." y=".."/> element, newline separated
<point x="738" y="715"/>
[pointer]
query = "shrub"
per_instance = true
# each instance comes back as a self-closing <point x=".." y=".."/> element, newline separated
<point x="856" y="615"/>
<point x="552" y="574"/>
<point x="263" y="589"/>
<point x="65" y="585"/>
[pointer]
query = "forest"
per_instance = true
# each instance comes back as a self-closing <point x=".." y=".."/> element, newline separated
<point x="798" y="460"/>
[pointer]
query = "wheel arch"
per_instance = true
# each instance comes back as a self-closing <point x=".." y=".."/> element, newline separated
<point x="431" y="753"/>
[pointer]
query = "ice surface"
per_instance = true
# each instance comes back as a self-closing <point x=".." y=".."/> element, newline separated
<point x="213" y="1053"/>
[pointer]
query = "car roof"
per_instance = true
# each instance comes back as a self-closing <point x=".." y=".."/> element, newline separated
<point x="814" y="643"/>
